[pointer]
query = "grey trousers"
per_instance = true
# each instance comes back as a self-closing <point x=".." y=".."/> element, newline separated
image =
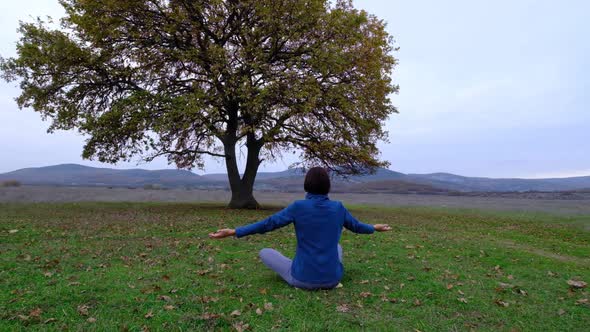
<point x="282" y="266"/>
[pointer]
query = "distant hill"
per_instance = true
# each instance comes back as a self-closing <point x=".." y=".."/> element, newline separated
<point x="380" y="174"/>
<point x="387" y="186"/>
<point x="294" y="172"/>
<point x="383" y="180"/>
<point x="463" y="183"/>
<point x="77" y="175"/>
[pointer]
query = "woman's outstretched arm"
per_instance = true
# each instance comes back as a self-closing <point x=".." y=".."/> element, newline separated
<point x="277" y="220"/>
<point x="352" y="224"/>
<point x="221" y="233"/>
<point x="382" y="227"/>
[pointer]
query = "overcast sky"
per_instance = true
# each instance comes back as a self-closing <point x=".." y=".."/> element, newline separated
<point x="493" y="88"/>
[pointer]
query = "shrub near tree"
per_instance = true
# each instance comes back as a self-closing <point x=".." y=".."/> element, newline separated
<point x="189" y="79"/>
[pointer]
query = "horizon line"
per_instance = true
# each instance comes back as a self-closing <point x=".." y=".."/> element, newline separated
<point x="538" y="176"/>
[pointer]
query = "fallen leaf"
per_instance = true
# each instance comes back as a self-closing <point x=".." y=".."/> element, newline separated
<point x="169" y="307"/>
<point x="203" y="272"/>
<point x="207" y="299"/>
<point x="561" y="312"/>
<point x="165" y="298"/>
<point x="417" y="303"/>
<point x="343" y="308"/>
<point x="582" y="301"/>
<point x="411" y="278"/>
<point x="258" y="311"/>
<point x="268" y="306"/>
<point x="23" y="317"/>
<point x="208" y="316"/>
<point x="50" y="320"/>
<point x="35" y="313"/>
<point x="240" y="326"/>
<point x="48" y="274"/>
<point x="510" y="277"/>
<point x="235" y="313"/>
<point x="577" y="283"/>
<point x="551" y="274"/>
<point x="462" y="299"/>
<point x="262" y="291"/>
<point x="460" y="292"/>
<point x="149" y="315"/>
<point x="83" y="310"/>
<point x="165" y="277"/>
<point x="340" y="285"/>
<point x="501" y="303"/>
<point x="12" y="231"/>
<point x="365" y="294"/>
<point x="91" y="320"/>
<point x="364" y="281"/>
<point x="449" y="286"/>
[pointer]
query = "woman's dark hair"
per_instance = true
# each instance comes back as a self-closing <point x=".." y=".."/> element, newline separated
<point x="317" y="181"/>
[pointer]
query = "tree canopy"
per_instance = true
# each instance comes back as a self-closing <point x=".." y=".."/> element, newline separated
<point x="187" y="79"/>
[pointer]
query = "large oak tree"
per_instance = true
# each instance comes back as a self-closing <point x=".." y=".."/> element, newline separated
<point x="192" y="78"/>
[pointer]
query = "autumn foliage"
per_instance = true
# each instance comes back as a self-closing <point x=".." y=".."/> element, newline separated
<point x="189" y="79"/>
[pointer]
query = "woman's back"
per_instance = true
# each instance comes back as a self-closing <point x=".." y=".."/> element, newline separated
<point x="318" y="226"/>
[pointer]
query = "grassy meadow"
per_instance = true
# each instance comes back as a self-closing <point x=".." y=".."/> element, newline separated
<point x="151" y="267"/>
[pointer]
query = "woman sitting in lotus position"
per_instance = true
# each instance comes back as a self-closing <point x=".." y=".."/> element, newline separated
<point x="318" y="226"/>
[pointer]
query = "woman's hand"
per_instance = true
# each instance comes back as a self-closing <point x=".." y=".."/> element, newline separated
<point x="382" y="227"/>
<point x="220" y="234"/>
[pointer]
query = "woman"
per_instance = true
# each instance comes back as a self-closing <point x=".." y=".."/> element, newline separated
<point x="318" y="226"/>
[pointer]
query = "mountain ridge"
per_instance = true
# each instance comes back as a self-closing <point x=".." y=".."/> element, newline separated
<point x="287" y="180"/>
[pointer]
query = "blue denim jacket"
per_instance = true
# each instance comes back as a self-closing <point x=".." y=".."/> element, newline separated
<point x="318" y="225"/>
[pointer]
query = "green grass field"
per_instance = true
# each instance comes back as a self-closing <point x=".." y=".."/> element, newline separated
<point x="133" y="267"/>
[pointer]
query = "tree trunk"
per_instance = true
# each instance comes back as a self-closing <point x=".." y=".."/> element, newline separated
<point x="243" y="199"/>
<point x="242" y="188"/>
